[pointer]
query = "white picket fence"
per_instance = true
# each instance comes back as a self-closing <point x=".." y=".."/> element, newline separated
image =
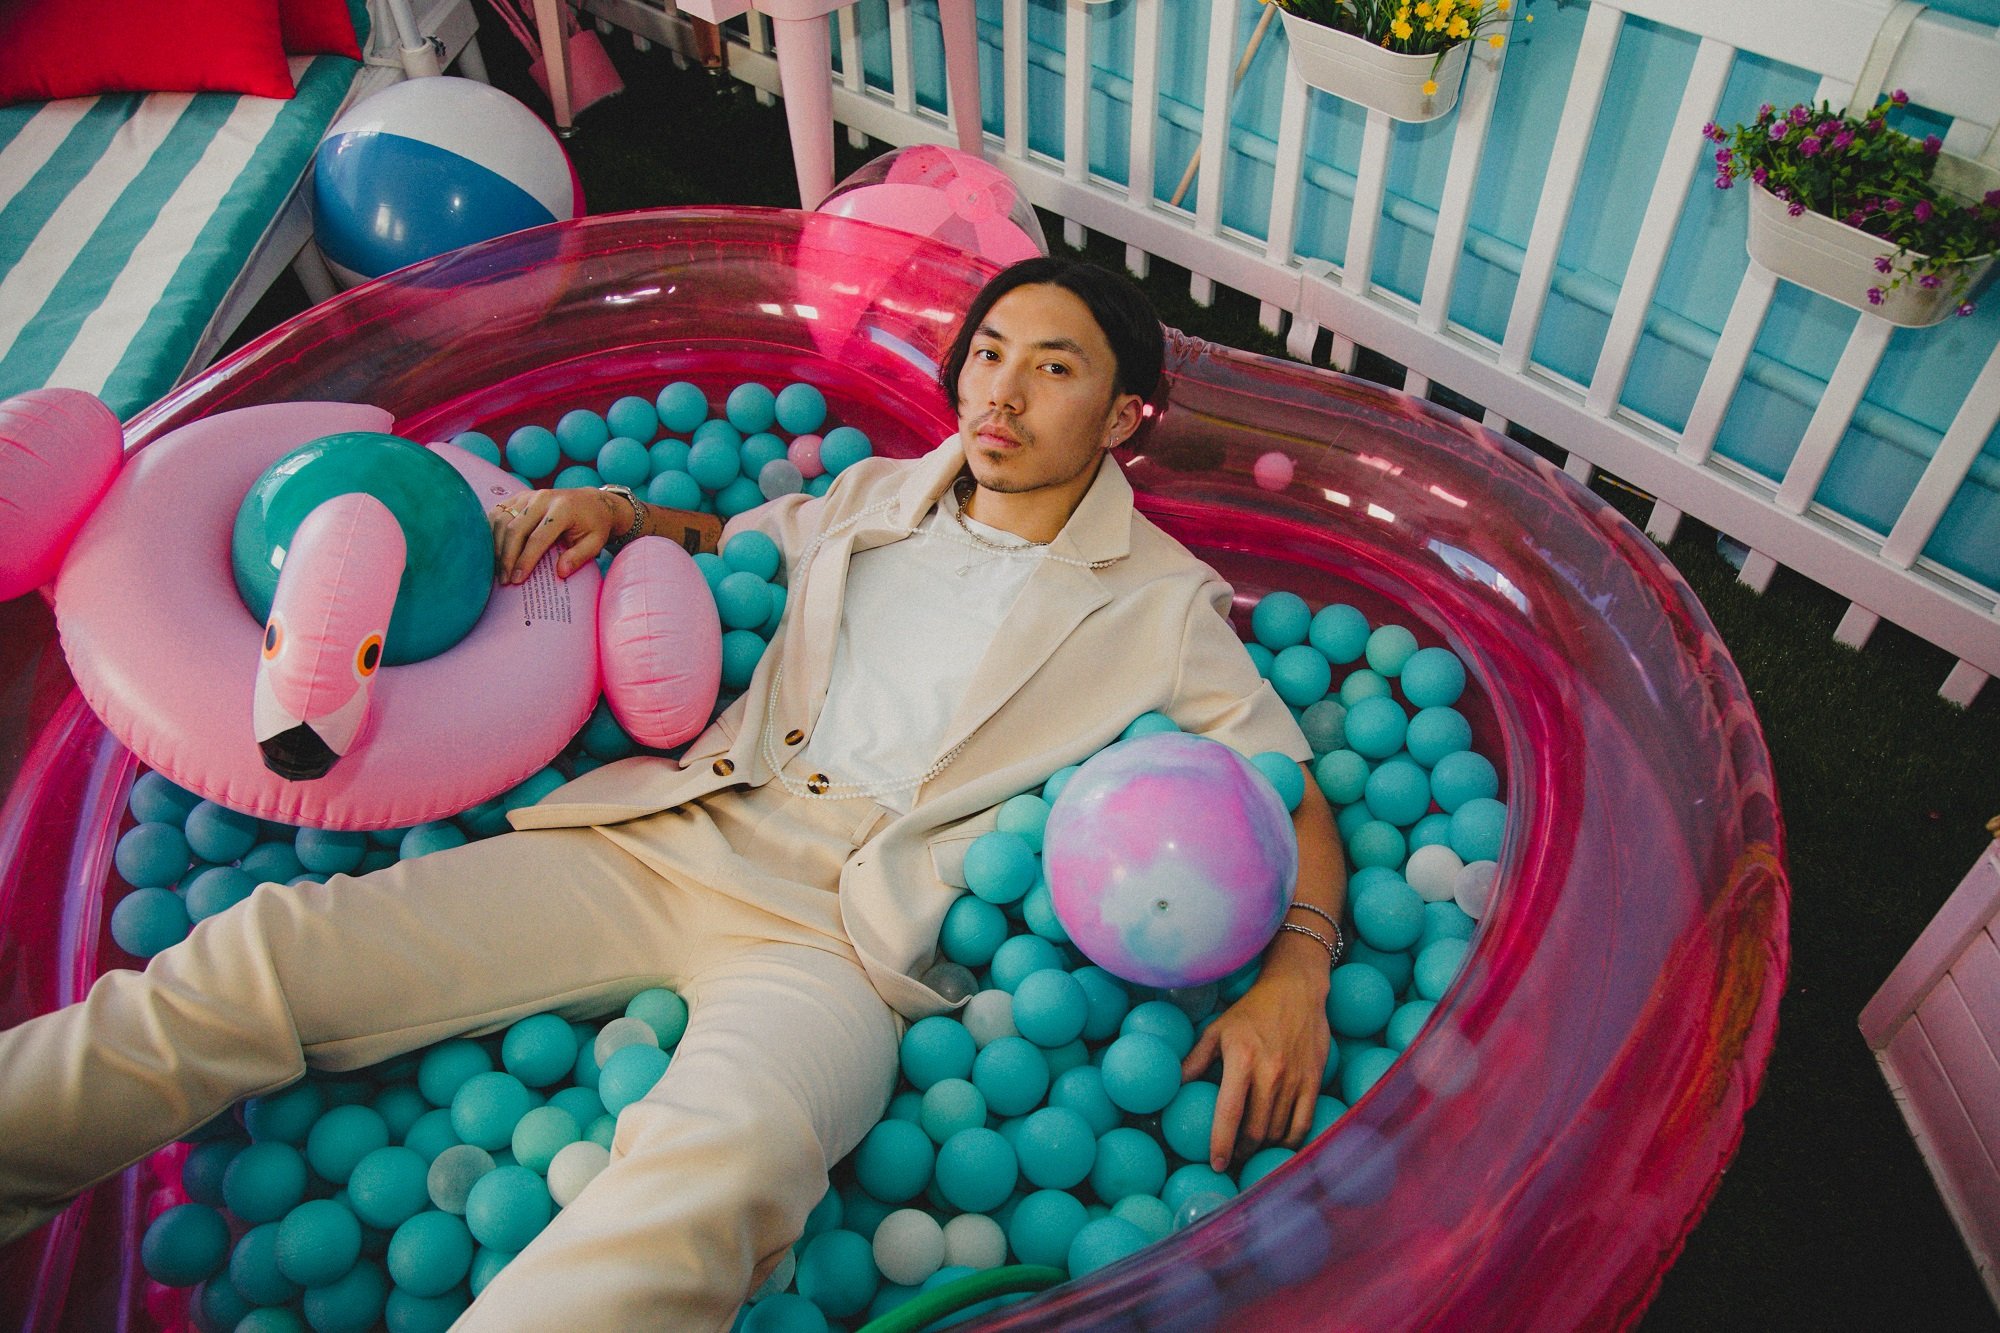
<point x="1947" y="64"/>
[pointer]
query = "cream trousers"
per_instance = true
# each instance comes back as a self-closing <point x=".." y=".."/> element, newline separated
<point x="788" y="1060"/>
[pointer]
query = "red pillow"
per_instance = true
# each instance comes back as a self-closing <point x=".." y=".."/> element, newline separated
<point x="318" y="27"/>
<point x="74" y="48"/>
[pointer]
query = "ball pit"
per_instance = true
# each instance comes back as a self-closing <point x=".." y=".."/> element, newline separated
<point x="1610" y="713"/>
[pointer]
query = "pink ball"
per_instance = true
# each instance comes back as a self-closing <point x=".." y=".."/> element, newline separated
<point x="804" y="453"/>
<point x="1273" y="471"/>
<point x="1170" y="859"/>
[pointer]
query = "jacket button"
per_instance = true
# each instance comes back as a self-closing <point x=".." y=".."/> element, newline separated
<point x="724" y="767"/>
<point x="794" y="736"/>
<point x="817" y="784"/>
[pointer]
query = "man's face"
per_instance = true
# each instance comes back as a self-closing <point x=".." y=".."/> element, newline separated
<point x="1037" y="399"/>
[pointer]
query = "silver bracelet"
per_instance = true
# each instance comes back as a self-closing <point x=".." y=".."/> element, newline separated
<point x="1332" y="954"/>
<point x="618" y="541"/>
<point x="1339" y="935"/>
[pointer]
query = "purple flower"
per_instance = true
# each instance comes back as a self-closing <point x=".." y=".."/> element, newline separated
<point x="1723" y="157"/>
<point x="1892" y="205"/>
<point x="1930" y="280"/>
<point x="1899" y="97"/>
<point x="1826" y="127"/>
<point x="1779" y="130"/>
<point x="1766" y="111"/>
<point x="1964" y="310"/>
<point x="1993" y="198"/>
<point x="1854" y="219"/>
<point x="1874" y="296"/>
<point x="1932" y="144"/>
<point x="1711" y="130"/>
<point x="1796" y="208"/>
<point x="1809" y="147"/>
<point x="1801" y="114"/>
<point x="1759" y="175"/>
<point x="1881" y="263"/>
<point x="1723" y="181"/>
<point x="1923" y="210"/>
<point x="1842" y="139"/>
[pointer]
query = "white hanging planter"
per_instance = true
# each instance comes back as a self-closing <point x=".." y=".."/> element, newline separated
<point x="1368" y="75"/>
<point x="1827" y="256"/>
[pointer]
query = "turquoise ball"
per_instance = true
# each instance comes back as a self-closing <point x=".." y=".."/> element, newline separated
<point x="318" y="1241"/>
<point x="533" y="451"/>
<point x="1050" y="1008"/>
<point x="201" y="1172"/>
<point x="1280" y="620"/>
<point x="154" y="856"/>
<point x="1300" y="674"/>
<point x="216" y="889"/>
<point x="800" y="409"/>
<point x="1433" y="678"/>
<point x="581" y="433"/>
<point x="155" y="799"/>
<point x="837" y="1273"/>
<point x="1433" y="830"/>
<point x="218" y="1306"/>
<point x="629" y="1075"/>
<point x="739" y="497"/>
<point x="329" y="851"/>
<point x="1284" y="774"/>
<point x="1376" y="727"/>
<point x="1262" y="1163"/>
<point x="341" y="1138"/>
<point x="1362" y="1070"/>
<point x="1052" y="785"/>
<point x="405" y="1312"/>
<point x="423" y="839"/>
<point x="663" y="1011"/>
<point x="681" y="406"/>
<point x="1389" y="916"/>
<point x="1407" y="1022"/>
<point x="714" y="462"/>
<point x="351" y="1303"/>
<point x="1147" y="1213"/>
<point x="1102" y="1242"/>
<point x="1325" y="725"/>
<point x="1342" y="776"/>
<point x="449" y="565"/>
<point x="1392" y="964"/>
<point x="264" y="1182"/>
<point x="936" y="1048"/>
<point x="759" y="450"/>
<point x="1377" y="842"/>
<point x="673" y="489"/>
<point x="1359" y="1000"/>
<point x="742" y="649"/>
<point x="717" y="429"/>
<point x="843" y="447"/>
<point x="1025" y="816"/>
<point x="508" y="1207"/>
<point x="285" y="1116"/>
<point x="1340" y="632"/>
<point x="147" y="921"/>
<point x="624" y="462"/>
<point x="185" y="1245"/>
<point x="1146" y="724"/>
<point x="1020" y="956"/>
<point x="633" y="418"/>
<point x="446" y="1066"/>
<point x="1129" y="1161"/>
<point x="486" y="1108"/>
<point x="949" y="1105"/>
<point x="1461" y="777"/>
<point x="976" y="1170"/>
<point x="271" y="1319"/>
<point x="1141" y="1073"/>
<point x="583" y="1104"/>
<point x="479" y="444"/>
<point x="1362" y="683"/>
<point x="743" y="601"/>
<point x="670" y="455"/>
<point x="1445" y="920"/>
<point x="577" y="476"/>
<point x="1192" y="1179"/>
<point x="1056" y="1148"/>
<point x="1165" y="1020"/>
<point x="895" y="1161"/>
<point x="1043" y="1225"/>
<point x="1398" y="792"/>
<point x="1109" y="1002"/>
<point x="603" y="739"/>
<point x="1081" y="1089"/>
<point x="1478" y="827"/>
<point x="1189" y="1119"/>
<point x="973" y="929"/>
<point x="1389" y="648"/>
<point x="751" y="408"/>
<point x="253" y="1267"/>
<point x="753" y="552"/>
<point x="541" y="1134"/>
<point x="820" y="485"/>
<point x="389" y="1186"/>
<point x="782" y="1312"/>
<point x="1438" y="965"/>
<point x="1012" y="1074"/>
<point x="1436" y="732"/>
<point x="486" y="1265"/>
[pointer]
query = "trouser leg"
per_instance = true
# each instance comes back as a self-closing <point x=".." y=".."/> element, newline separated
<point x="337" y="975"/>
<point x="788" y="1061"/>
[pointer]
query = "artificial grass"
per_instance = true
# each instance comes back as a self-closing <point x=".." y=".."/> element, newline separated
<point x="1828" y="1219"/>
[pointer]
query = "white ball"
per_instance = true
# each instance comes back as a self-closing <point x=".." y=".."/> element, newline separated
<point x="573" y="1167"/>
<point x="909" y="1246"/>
<point x="974" y="1240"/>
<point x="1432" y="871"/>
<point x="619" y="1033"/>
<point x="1473" y="888"/>
<point x="989" y="1016"/>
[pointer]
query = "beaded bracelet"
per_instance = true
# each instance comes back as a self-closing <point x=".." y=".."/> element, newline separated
<point x="1332" y="954"/>
<point x="1339" y="935"/>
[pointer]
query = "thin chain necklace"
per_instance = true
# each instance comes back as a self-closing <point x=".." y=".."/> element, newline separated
<point x="961" y="493"/>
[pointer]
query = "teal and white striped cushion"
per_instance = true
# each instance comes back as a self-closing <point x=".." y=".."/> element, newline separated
<point x="125" y="219"/>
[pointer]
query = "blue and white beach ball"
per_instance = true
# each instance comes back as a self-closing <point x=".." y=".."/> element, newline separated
<point x="429" y="165"/>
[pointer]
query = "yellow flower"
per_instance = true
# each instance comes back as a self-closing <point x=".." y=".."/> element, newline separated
<point x="1424" y="9"/>
<point x="1401" y="30"/>
<point x="1430" y="87"/>
<point x="1459" y="28"/>
<point x="1503" y="5"/>
<point x="1496" y="41"/>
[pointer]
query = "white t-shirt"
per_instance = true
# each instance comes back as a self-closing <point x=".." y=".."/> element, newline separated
<point x="918" y="616"/>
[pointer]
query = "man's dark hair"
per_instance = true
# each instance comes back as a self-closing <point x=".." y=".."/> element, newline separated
<point x="1119" y="307"/>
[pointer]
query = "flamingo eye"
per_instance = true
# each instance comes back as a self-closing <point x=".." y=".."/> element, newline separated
<point x="368" y="656"/>
<point x="274" y="639"/>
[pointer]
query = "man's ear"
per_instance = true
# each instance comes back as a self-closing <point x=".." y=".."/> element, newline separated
<point x="1127" y="411"/>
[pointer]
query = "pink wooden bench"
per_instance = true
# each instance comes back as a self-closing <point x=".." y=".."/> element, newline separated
<point x="1935" y="1028"/>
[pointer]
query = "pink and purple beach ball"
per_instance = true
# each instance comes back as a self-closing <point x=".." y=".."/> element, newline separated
<point x="1170" y="859"/>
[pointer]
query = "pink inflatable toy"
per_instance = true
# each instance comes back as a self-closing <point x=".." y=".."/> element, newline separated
<point x="1170" y="859"/>
<point x="1596" y="1054"/>
<point x="947" y="195"/>
<point x="59" y="449"/>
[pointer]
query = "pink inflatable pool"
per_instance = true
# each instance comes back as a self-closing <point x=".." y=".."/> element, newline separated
<point x="1537" y="1156"/>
